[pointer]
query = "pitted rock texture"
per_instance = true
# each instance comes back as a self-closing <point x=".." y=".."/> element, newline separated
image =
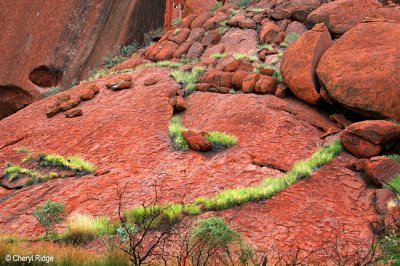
<point x="41" y="49"/>
<point x="360" y="75"/>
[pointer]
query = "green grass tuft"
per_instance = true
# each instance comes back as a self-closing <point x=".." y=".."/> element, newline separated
<point x="73" y="162"/>
<point x="187" y="78"/>
<point x="289" y="39"/>
<point x="84" y="228"/>
<point x="175" y="130"/>
<point x="222" y="138"/>
<point x="257" y="10"/>
<point x="245" y="56"/>
<point x="218" y="56"/>
<point x="175" y="21"/>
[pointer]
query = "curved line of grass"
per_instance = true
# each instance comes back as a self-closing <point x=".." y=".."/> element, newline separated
<point x="233" y="197"/>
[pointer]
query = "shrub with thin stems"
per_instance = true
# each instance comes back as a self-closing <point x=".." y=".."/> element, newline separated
<point x="49" y="215"/>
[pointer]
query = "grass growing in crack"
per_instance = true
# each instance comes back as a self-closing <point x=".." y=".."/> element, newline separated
<point x="270" y="186"/>
<point x="218" y="56"/>
<point x="221" y="138"/>
<point x="73" y="162"/>
<point x="187" y="78"/>
<point x="245" y="56"/>
<point x="175" y="130"/>
<point x="187" y="61"/>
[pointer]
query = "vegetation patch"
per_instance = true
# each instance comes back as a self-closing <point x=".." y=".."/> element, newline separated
<point x="49" y="215"/>
<point x="270" y="186"/>
<point x="175" y="21"/>
<point x="43" y="167"/>
<point x="83" y="228"/>
<point x="187" y="79"/>
<point x="221" y="138"/>
<point x="216" y="6"/>
<point x="245" y="56"/>
<point x="243" y="3"/>
<point x="218" y="56"/>
<point x="289" y="39"/>
<point x="175" y="130"/>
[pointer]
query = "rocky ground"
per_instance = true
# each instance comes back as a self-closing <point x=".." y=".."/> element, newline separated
<point x="284" y="77"/>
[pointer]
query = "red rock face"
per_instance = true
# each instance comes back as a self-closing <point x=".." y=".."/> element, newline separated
<point x="274" y="131"/>
<point x="368" y="138"/>
<point x="359" y="74"/>
<point x="287" y="220"/>
<point x="342" y="15"/>
<point x="41" y="49"/>
<point x="300" y="61"/>
<point x="12" y="99"/>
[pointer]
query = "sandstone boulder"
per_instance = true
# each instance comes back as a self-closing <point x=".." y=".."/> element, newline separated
<point x="74" y="112"/>
<point x="298" y="9"/>
<point x="381" y="170"/>
<point x="342" y="15"/>
<point x="300" y="61"/>
<point x="359" y="74"/>
<point x="382" y="197"/>
<point x="196" y="141"/>
<point x="367" y="138"/>
<point x="269" y="32"/>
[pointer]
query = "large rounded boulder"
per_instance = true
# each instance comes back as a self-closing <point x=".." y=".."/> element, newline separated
<point x="361" y="70"/>
<point x="342" y="15"/>
<point x="300" y="61"/>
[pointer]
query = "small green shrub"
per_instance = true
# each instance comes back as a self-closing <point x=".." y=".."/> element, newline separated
<point x="221" y="138"/>
<point x="23" y="149"/>
<point x="49" y="214"/>
<point x="218" y="56"/>
<point x="52" y="91"/>
<point x="148" y="37"/>
<point x="277" y="75"/>
<point x="216" y="6"/>
<point x="394" y="183"/>
<point x="390" y="246"/>
<point x="214" y="232"/>
<point x="175" y="21"/>
<point x="175" y="130"/>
